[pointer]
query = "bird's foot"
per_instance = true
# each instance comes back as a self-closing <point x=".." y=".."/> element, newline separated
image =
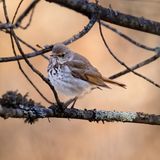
<point x="70" y="101"/>
<point x="58" y="106"/>
<point x="63" y="105"/>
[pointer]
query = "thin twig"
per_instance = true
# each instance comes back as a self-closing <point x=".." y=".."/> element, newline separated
<point x="26" y="76"/>
<point x="26" y="44"/>
<point x="14" y="51"/>
<point x="49" y="47"/>
<point x="31" y="47"/>
<point x="5" y="11"/>
<point x="22" y="41"/>
<point x="128" y="38"/>
<point x="15" y="14"/>
<point x="26" y="12"/>
<point x="85" y="30"/>
<point x="34" y="69"/>
<point x="30" y="19"/>
<point x="122" y="63"/>
<point x="29" y="55"/>
<point x="139" y="65"/>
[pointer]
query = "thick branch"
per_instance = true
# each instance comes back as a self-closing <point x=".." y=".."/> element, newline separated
<point x="109" y="15"/>
<point x="14" y="105"/>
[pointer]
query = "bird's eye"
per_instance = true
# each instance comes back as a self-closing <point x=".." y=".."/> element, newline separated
<point x="62" y="55"/>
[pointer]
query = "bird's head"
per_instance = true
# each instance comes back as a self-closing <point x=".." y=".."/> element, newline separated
<point x="59" y="50"/>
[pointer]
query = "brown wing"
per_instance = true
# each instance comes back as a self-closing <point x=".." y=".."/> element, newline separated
<point x="81" y="68"/>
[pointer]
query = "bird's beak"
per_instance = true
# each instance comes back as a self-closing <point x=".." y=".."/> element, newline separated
<point x="51" y="55"/>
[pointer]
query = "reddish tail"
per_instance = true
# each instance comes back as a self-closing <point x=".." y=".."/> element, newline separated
<point x="114" y="82"/>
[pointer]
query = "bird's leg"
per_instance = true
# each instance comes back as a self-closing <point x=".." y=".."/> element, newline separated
<point x="73" y="100"/>
<point x="67" y="103"/>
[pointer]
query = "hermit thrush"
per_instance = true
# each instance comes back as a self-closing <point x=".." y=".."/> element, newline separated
<point x="72" y="74"/>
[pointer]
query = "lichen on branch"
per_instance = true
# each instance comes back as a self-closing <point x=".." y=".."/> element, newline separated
<point x="15" y="105"/>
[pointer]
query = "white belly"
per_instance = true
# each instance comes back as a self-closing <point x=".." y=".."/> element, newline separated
<point x="68" y="85"/>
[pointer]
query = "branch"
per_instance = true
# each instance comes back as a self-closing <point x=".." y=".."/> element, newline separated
<point x="134" y="67"/>
<point x="121" y="62"/>
<point x="6" y="26"/>
<point x="109" y="15"/>
<point x="14" y="50"/>
<point x="85" y="30"/>
<point x="29" y="55"/>
<point x="34" y="69"/>
<point x="14" y="105"/>
<point x="128" y="38"/>
<point x="26" y="12"/>
<point x="31" y="47"/>
<point x="24" y="73"/>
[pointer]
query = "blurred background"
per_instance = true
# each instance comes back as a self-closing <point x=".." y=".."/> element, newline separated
<point x="76" y="139"/>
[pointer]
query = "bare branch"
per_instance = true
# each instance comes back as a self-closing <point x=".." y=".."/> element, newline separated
<point x="5" y="11"/>
<point x="15" y="14"/>
<point x="29" y="55"/>
<point x="11" y="32"/>
<point x="109" y="15"/>
<point x="139" y="65"/>
<point x="128" y="38"/>
<point x="34" y="69"/>
<point x="122" y="63"/>
<point x="6" y="26"/>
<point x="26" y="12"/>
<point x="14" y="105"/>
<point x="30" y="20"/>
<point x="26" y="76"/>
<point x="31" y="47"/>
<point x="85" y="30"/>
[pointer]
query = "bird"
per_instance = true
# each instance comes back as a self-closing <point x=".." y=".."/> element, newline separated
<point x="73" y="75"/>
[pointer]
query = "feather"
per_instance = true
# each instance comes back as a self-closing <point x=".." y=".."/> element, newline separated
<point x="113" y="82"/>
<point x="81" y="68"/>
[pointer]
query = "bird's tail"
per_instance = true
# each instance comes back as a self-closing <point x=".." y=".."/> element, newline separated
<point x="113" y="82"/>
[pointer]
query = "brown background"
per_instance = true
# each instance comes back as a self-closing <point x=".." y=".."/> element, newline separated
<point x="75" y="139"/>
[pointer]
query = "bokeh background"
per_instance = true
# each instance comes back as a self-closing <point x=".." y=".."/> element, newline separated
<point x="75" y="139"/>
